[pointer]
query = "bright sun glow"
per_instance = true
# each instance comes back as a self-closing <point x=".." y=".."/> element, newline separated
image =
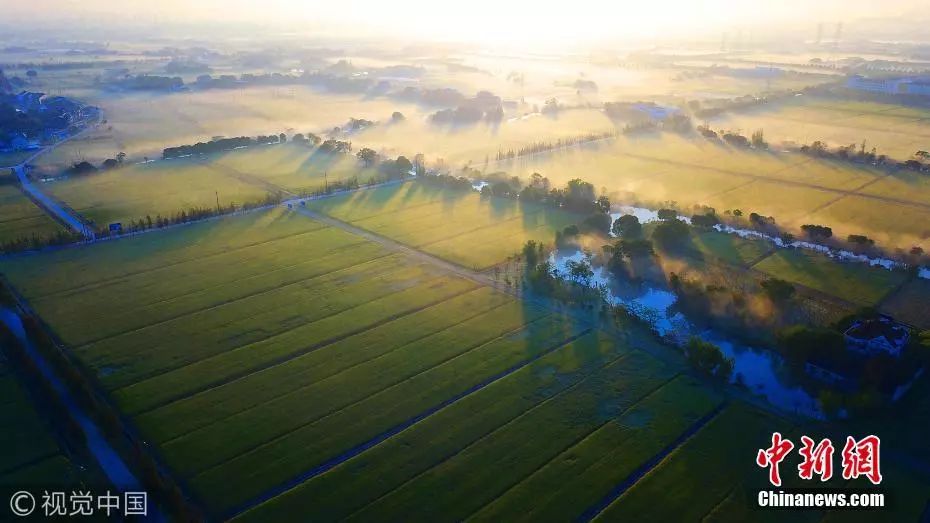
<point x="489" y="22"/>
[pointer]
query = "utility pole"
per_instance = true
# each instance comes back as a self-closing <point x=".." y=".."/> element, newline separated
<point x="217" y="193"/>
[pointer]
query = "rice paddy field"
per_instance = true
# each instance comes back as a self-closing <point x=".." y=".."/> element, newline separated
<point x="909" y="303"/>
<point x="142" y="125"/>
<point x="30" y="454"/>
<point x="713" y="246"/>
<point x="895" y="130"/>
<point x="477" y="144"/>
<point x="464" y="228"/>
<point x="254" y="349"/>
<point x="11" y="158"/>
<point x="794" y="189"/>
<point x="158" y="188"/>
<point x="543" y="75"/>
<point x="20" y="218"/>
<point x="855" y="282"/>
<point x="284" y="368"/>
<point x="290" y="167"/>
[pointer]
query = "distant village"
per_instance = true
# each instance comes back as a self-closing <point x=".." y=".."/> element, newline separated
<point x="29" y="120"/>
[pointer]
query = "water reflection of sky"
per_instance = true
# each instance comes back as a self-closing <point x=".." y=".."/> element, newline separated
<point x="759" y="370"/>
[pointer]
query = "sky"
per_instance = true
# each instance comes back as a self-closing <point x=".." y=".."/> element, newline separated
<point x="486" y="21"/>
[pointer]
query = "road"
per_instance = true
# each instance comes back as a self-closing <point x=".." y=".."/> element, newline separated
<point x="63" y="215"/>
<point x="51" y="206"/>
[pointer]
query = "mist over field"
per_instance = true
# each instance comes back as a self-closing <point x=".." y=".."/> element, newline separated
<point x="488" y="261"/>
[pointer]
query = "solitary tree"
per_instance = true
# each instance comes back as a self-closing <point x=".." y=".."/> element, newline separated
<point x="627" y="226"/>
<point x="531" y="252"/>
<point x="367" y="156"/>
<point x="403" y="165"/>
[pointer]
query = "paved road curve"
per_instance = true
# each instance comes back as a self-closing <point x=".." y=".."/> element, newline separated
<point x="66" y="216"/>
<point x="51" y="205"/>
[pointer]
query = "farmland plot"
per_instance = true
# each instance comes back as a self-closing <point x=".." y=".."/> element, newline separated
<point x="465" y="228"/>
<point x="262" y="334"/>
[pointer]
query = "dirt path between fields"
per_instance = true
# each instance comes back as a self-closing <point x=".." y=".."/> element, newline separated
<point x="417" y="254"/>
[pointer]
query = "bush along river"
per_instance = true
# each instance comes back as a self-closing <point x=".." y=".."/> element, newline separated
<point x="761" y="371"/>
<point x="648" y="215"/>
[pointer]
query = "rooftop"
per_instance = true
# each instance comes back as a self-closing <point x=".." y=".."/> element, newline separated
<point x="879" y="327"/>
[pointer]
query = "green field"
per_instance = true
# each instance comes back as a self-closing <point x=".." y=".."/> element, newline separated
<point x="291" y="167"/>
<point x="715" y="246"/>
<point x="855" y="282"/>
<point x="20" y="218"/>
<point x="793" y="188"/>
<point x="284" y="367"/>
<point x="159" y="188"/>
<point x="11" y="158"/>
<point x="143" y="124"/>
<point x="909" y="303"/>
<point x="256" y="348"/>
<point x="895" y="130"/>
<point x="30" y="454"/>
<point x="334" y="341"/>
<point x="464" y="228"/>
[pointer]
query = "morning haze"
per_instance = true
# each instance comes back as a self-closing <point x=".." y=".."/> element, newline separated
<point x="489" y="260"/>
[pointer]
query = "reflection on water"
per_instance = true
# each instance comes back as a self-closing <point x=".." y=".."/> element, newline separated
<point x="761" y="371"/>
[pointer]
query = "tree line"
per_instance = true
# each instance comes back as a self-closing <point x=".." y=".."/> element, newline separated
<point x="191" y="214"/>
<point x="220" y="145"/>
<point x="561" y="143"/>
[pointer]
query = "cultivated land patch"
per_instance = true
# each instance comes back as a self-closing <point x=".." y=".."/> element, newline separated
<point x="481" y="442"/>
<point x="892" y="129"/>
<point x="909" y="303"/>
<point x="793" y="188"/>
<point x="701" y="473"/>
<point x="461" y="227"/>
<point x="257" y="347"/>
<point x="280" y="366"/>
<point x="142" y="124"/>
<point x="160" y="188"/>
<point x="20" y="218"/>
<point x="854" y="282"/>
<point x="29" y="452"/>
<point x="292" y="167"/>
<point x="729" y="248"/>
